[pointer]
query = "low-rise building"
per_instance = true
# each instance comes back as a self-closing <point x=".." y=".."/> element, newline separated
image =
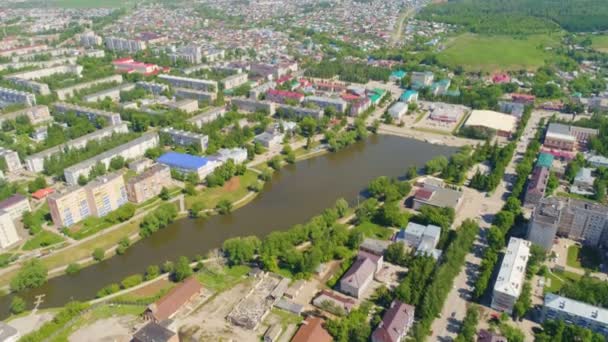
<point x="11" y="96"/>
<point x="255" y="92"/>
<point x="270" y="139"/>
<point x="583" y="182"/>
<point x="36" y="114"/>
<point x="571" y="311"/>
<point x="284" y="96"/>
<point x="185" y="105"/>
<point x="514" y="108"/>
<point x="409" y="96"/>
<point x="398" y="110"/>
<point x="185" y="138"/>
<point x="154" y="332"/>
<point x="359" y="106"/>
<point x="253" y="106"/>
<point x="9" y="160"/>
<point x="323" y="102"/>
<point x="187" y="163"/>
<point x="128" y="65"/>
<point x="395" y="323"/>
<point x="207" y="116"/>
<point x="329" y="299"/>
<point x="169" y="304"/>
<point x="289" y="111"/>
<point x="149" y="183"/>
<point x="238" y="155"/>
<point x="234" y="81"/>
<point x="422" y="79"/>
<point x="422" y="238"/>
<point x="487" y="336"/>
<point x="15" y="206"/>
<point x="8" y="232"/>
<point x="566" y="137"/>
<point x="312" y="330"/>
<point x="511" y="275"/>
<point x="436" y="196"/>
<point x="503" y="124"/>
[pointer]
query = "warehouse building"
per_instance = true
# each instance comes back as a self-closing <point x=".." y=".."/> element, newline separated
<point x="503" y="124"/>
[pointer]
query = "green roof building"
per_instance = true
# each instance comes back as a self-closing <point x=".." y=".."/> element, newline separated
<point x="545" y="160"/>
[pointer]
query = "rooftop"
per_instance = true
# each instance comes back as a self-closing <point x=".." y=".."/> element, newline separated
<point x="395" y="322"/>
<point x="513" y="268"/>
<point x="153" y="332"/>
<point x="182" y="160"/>
<point x="312" y="330"/>
<point x="577" y="308"/>
<point x="491" y="119"/>
<point x="9" y="202"/>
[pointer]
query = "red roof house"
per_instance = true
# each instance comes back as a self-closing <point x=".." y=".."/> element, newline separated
<point x="501" y="78"/>
<point x="42" y="193"/>
<point x="280" y="96"/>
<point x="167" y="306"/>
<point x="312" y="330"/>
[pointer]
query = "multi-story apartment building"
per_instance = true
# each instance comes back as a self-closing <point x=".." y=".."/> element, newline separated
<point x="207" y="116"/>
<point x="422" y="79"/>
<point x="37" y="115"/>
<point x="192" y="54"/>
<point x="67" y="92"/>
<point x="323" y="102"/>
<point x="149" y="183"/>
<point x="255" y="92"/>
<point x="133" y="149"/>
<point x="10" y="96"/>
<point x="35" y="162"/>
<point x="106" y="193"/>
<point x="194" y="94"/>
<point x="288" y="111"/>
<point x="23" y="50"/>
<point x="576" y="219"/>
<point x="234" y="81"/>
<point x="124" y="45"/>
<point x="253" y="106"/>
<point x="185" y="138"/>
<point x="191" y="83"/>
<point x="90" y="39"/>
<point x="8" y="232"/>
<point x="283" y="96"/>
<point x="9" y="160"/>
<point x="110" y="93"/>
<point x="152" y="87"/>
<point x="90" y="113"/>
<point x="511" y="275"/>
<point x="69" y="207"/>
<point x="15" y="206"/>
<point x="38" y="64"/>
<point x="574" y="312"/>
<point x="40" y="73"/>
<point x="536" y="186"/>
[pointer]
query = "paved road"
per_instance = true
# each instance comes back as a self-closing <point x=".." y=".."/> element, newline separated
<point x="446" y="327"/>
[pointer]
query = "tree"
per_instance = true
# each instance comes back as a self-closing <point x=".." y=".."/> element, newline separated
<point x="164" y="194"/>
<point x="195" y="210"/>
<point x="32" y="274"/>
<point x="224" y="207"/>
<point x="342" y="207"/>
<point x="117" y="163"/>
<point x="152" y="272"/>
<point x="73" y="268"/>
<point x="167" y="267"/>
<point x="98" y="254"/>
<point x="182" y="269"/>
<point x="412" y="172"/>
<point x="395" y="253"/>
<point x="17" y="305"/>
<point x="241" y="250"/>
<point x="436" y="165"/>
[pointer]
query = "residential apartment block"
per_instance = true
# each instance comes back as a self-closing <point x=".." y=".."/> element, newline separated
<point x="361" y="273"/>
<point x="11" y="96"/>
<point x="234" y="81"/>
<point x="36" y="114"/>
<point x="90" y="39"/>
<point x="566" y="137"/>
<point x="15" y="206"/>
<point x="35" y="162"/>
<point x="152" y="87"/>
<point x="395" y="324"/>
<point x="149" y="183"/>
<point x="90" y="113"/>
<point x="110" y="93"/>
<point x="423" y="239"/>
<point x="106" y="193"/>
<point x="323" y="102"/>
<point x="537" y="185"/>
<point x="133" y="149"/>
<point x="511" y="275"/>
<point x="67" y="92"/>
<point x="576" y="219"/>
<point x="574" y="312"/>
<point x="191" y="83"/>
<point x="288" y="111"/>
<point x="9" y="160"/>
<point x="192" y="54"/>
<point x="207" y="116"/>
<point x="253" y="106"/>
<point x="8" y="232"/>
<point x="194" y="94"/>
<point x="283" y="96"/>
<point x="124" y="45"/>
<point x="185" y="138"/>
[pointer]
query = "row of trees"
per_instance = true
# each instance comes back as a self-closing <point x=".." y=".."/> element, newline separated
<point x="224" y="172"/>
<point x="158" y="219"/>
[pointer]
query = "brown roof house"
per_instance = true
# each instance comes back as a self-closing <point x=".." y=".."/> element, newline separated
<point x="360" y="275"/>
<point x="312" y="330"/>
<point x="166" y="307"/>
<point x="395" y="324"/>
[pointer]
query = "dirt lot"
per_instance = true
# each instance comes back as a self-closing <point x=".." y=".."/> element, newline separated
<point x="232" y="184"/>
<point x="115" y="329"/>
<point x="152" y="289"/>
<point x="32" y="322"/>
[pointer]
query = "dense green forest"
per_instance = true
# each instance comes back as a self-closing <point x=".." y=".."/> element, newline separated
<point x="521" y="16"/>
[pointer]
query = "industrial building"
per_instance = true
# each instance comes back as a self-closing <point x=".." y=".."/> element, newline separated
<point x="185" y="138"/>
<point x="503" y="124"/>
<point x="148" y="183"/>
<point x="9" y="160"/>
<point x="207" y="116"/>
<point x="571" y="311"/>
<point x="187" y="163"/>
<point x="511" y="275"/>
<point x="131" y="150"/>
<point x="91" y="113"/>
<point x="323" y="102"/>
<point x="253" y="106"/>
<point x="11" y="96"/>
<point x="191" y="83"/>
<point x="35" y="162"/>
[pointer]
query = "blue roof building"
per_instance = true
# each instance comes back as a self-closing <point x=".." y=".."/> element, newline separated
<point x="409" y="96"/>
<point x="397" y="75"/>
<point x="187" y="163"/>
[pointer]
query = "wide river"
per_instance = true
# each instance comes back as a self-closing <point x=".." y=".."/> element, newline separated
<point x="295" y="194"/>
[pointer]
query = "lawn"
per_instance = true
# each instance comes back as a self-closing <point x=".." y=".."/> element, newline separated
<point x="231" y="191"/>
<point x="6" y="259"/>
<point x="496" y="53"/>
<point x="584" y="257"/>
<point x="372" y="230"/>
<point x="222" y="279"/>
<point x="600" y="43"/>
<point x="558" y="279"/>
<point x="42" y="239"/>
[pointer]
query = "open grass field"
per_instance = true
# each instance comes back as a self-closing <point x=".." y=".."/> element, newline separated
<point x="232" y="191"/>
<point x="584" y="257"/>
<point x="374" y="231"/>
<point x="497" y="53"/>
<point x="600" y="43"/>
<point x="558" y="279"/>
<point x="222" y="279"/>
<point x="42" y="239"/>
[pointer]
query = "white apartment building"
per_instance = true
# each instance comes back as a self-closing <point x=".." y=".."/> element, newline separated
<point x="511" y="276"/>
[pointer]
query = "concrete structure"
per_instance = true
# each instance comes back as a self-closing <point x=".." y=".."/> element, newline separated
<point x="207" y="116"/>
<point x="35" y="162"/>
<point x="238" y="155"/>
<point x="8" y="232"/>
<point x="169" y="304"/>
<point x="15" y="206"/>
<point x="504" y="124"/>
<point x="511" y="275"/>
<point x="253" y="106"/>
<point x="234" y="81"/>
<point x="194" y="94"/>
<point x="37" y="115"/>
<point x="288" y="111"/>
<point x="330" y="298"/>
<point x="65" y="93"/>
<point x="395" y="324"/>
<point x="323" y="102"/>
<point x="186" y="163"/>
<point x="398" y="110"/>
<point x="422" y="79"/>
<point x="8" y="333"/>
<point x="106" y="193"/>
<point x="574" y="312"/>
<point x="537" y="185"/>
<point x="9" y="160"/>
<point x="111" y="93"/>
<point x="91" y="113"/>
<point x="185" y="138"/>
<point x="124" y="45"/>
<point x="133" y="149"/>
<point x="38" y="64"/>
<point x="576" y="219"/>
<point x="185" y="105"/>
<point x="312" y="330"/>
<point x="11" y="96"/>
<point x="422" y="238"/>
<point x="436" y="195"/>
<point x="154" y="332"/>
<point x="566" y="137"/>
<point x="191" y="83"/>
<point x="152" y="87"/>
<point x="69" y="207"/>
